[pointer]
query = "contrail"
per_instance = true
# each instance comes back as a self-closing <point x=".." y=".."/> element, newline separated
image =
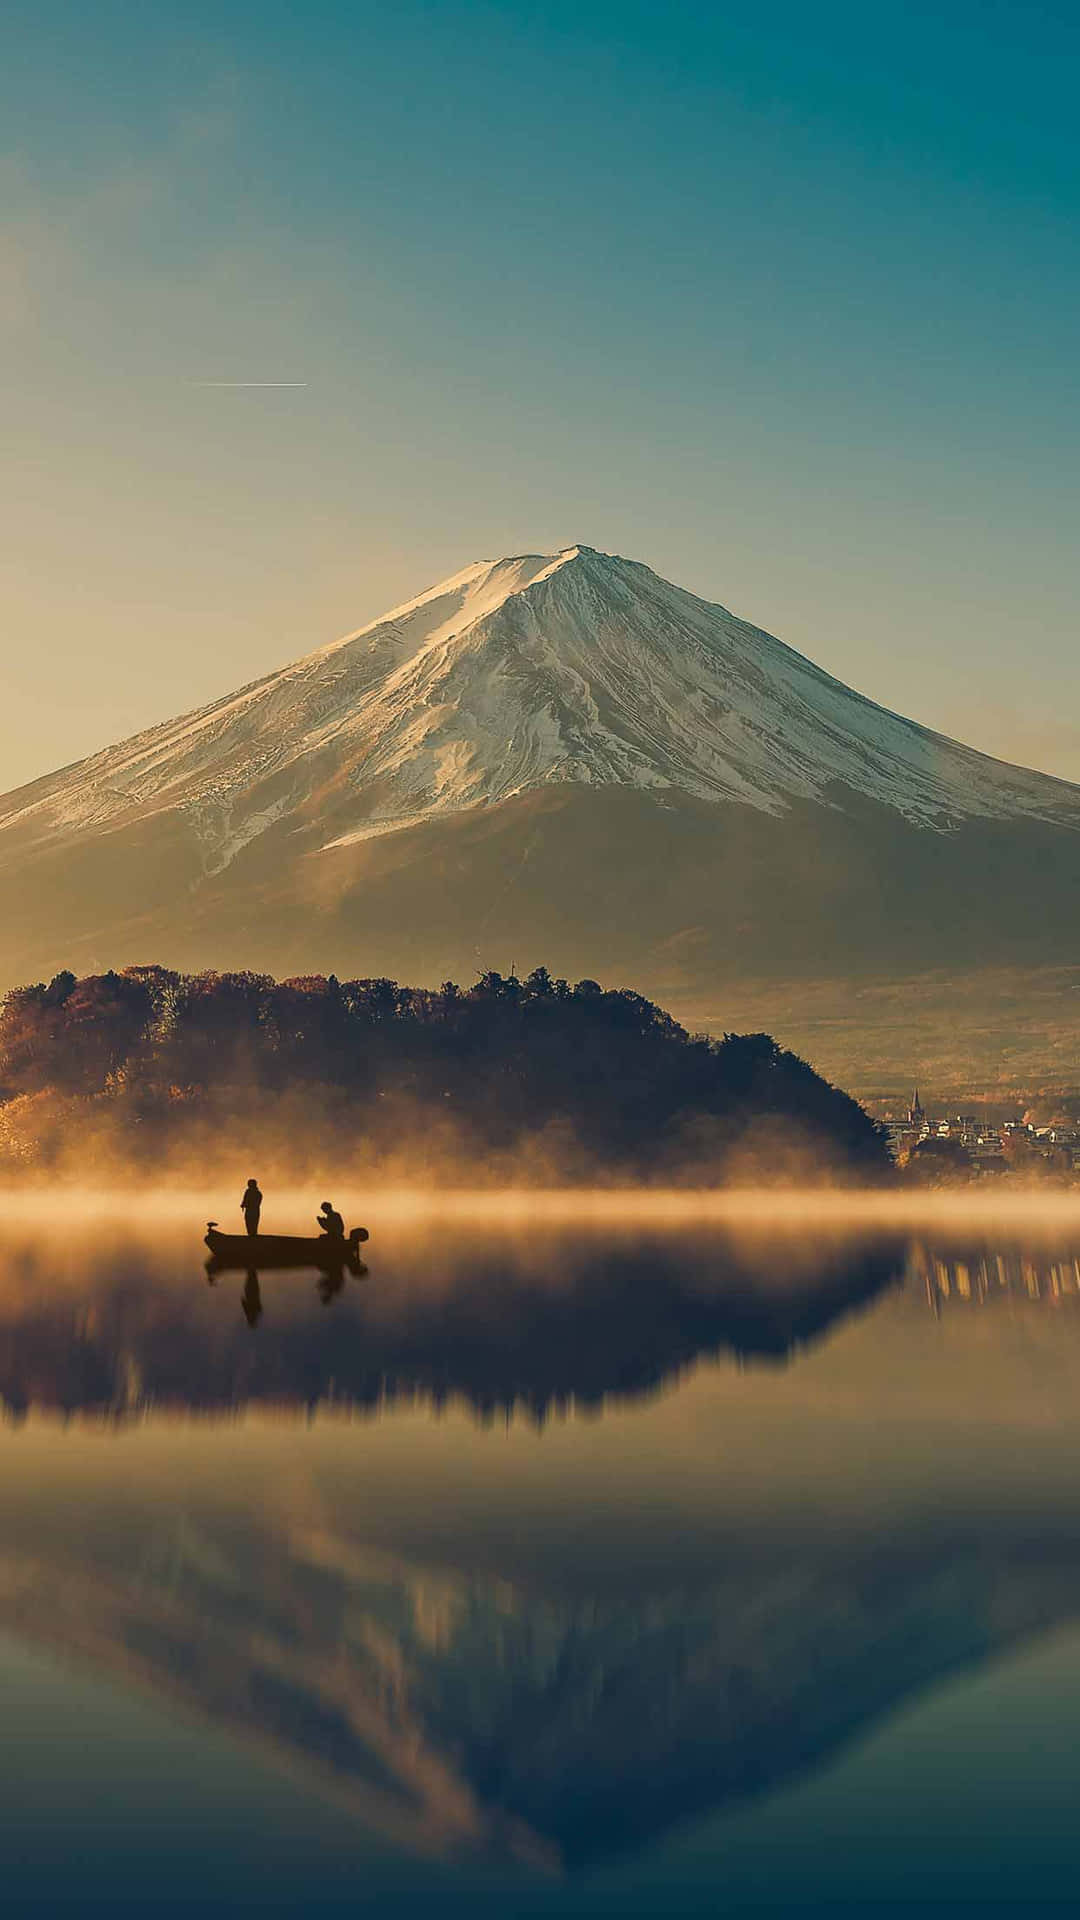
<point x="247" y="383"/>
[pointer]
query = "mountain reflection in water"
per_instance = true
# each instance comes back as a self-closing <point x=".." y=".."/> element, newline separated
<point x="552" y="1646"/>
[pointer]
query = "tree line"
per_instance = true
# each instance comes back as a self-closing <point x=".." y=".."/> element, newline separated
<point x="494" y="1064"/>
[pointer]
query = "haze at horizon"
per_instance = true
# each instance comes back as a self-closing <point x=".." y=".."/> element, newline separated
<point x="784" y="308"/>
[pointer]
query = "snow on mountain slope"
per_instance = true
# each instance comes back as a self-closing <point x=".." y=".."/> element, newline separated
<point x="518" y="674"/>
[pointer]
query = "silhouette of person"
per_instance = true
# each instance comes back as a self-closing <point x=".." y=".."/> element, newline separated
<point x="330" y="1221"/>
<point x="251" y="1206"/>
<point x="251" y="1300"/>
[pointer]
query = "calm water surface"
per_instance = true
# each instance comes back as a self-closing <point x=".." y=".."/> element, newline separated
<point x="544" y="1571"/>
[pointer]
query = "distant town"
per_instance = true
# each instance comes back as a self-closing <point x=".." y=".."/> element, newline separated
<point x="969" y="1144"/>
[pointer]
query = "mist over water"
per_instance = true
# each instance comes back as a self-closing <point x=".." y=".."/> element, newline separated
<point x="764" y="1211"/>
<point x="587" y="1543"/>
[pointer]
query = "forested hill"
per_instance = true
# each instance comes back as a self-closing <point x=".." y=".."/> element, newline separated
<point x="524" y="1078"/>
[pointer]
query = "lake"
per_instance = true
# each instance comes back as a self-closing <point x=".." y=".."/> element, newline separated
<point x="578" y="1560"/>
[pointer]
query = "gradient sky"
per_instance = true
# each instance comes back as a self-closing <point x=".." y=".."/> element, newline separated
<point x="781" y="300"/>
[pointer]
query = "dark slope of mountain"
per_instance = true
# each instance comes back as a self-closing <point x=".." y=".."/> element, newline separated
<point x="563" y="758"/>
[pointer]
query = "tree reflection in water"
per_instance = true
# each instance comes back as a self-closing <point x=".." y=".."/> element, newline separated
<point x="534" y="1328"/>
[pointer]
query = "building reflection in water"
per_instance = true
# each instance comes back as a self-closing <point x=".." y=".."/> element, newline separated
<point x="980" y="1274"/>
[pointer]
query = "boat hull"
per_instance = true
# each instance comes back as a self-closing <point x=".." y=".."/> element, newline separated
<point x="258" y="1252"/>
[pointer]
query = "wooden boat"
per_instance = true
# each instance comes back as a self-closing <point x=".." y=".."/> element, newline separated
<point x="255" y="1252"/>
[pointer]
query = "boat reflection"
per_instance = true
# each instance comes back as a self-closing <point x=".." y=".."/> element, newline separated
<point x="327" y="1286"/>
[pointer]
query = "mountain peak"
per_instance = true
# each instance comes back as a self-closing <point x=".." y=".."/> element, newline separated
<point x="574" y="668"/>
<point x="457" y="602"/>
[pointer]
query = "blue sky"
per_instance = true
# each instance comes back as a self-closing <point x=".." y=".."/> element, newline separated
<point x="783" y="301"/>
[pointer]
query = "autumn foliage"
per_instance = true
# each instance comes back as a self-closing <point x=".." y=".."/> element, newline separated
<point x="572" y="1082"/>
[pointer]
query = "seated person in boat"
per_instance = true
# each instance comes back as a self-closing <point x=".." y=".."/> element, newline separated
<point x="330" y="1221"/>
<point x="251" y="1206"/>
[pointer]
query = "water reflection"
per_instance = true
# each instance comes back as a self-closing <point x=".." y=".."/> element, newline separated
<point x="467" y="1713"/>
<point x="534" y="1328"/>
<point x="251" y="1300"/>
<point x="980" y="1273"/>
<point x="550" y="1647"/>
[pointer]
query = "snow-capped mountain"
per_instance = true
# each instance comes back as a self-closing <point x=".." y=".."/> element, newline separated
<point x="544" y="757"/>
<point x="524" y="673"/>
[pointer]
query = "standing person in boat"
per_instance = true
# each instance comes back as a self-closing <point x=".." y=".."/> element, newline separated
<point x="330" y="1221"/>
<point x="251" y="1206"/>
